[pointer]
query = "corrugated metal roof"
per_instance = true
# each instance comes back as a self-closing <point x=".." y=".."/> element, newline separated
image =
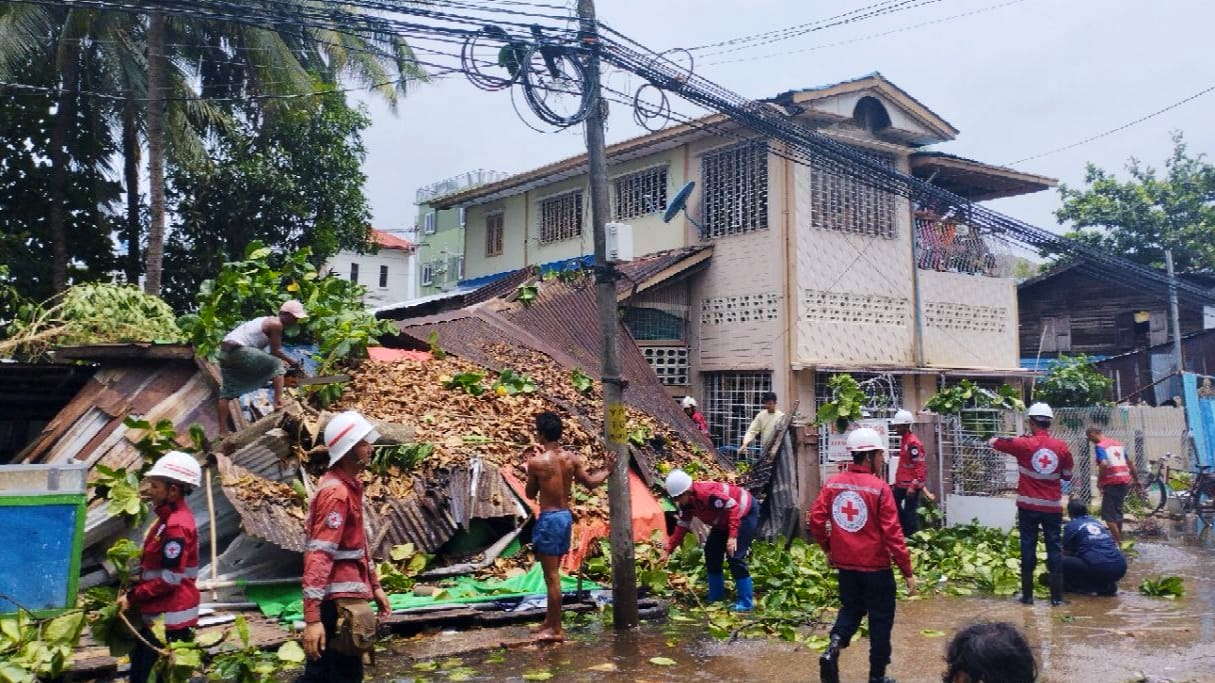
<point x="274" y="523"/>
<point x="425" y="520"/>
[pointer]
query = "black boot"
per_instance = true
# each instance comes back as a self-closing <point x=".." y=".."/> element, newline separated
<point x="881" y="679"/>
<point x="829" y="662"/>
<point x="1056" y="589"/>
<point x="1027" y="588"/>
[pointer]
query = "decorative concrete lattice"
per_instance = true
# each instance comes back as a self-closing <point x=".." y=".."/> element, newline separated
<point x="947" y="315"/>
<point x="670" y="363"/>
<point x="744" y="308"/>
<point x="859" y="309"/>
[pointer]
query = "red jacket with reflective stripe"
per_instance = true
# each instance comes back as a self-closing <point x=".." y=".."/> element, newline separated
<point x="337" y="562"/>
<point x="717" y="504"/>
<point x="865" y="533"/>
<point x="1112" y="453"/>
<point x="912" y="471"/>
<point x="168" y="569"/>
<point x="1042" y="462"/>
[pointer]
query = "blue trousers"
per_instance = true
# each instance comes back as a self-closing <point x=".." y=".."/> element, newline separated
<point x="715" y="547"/>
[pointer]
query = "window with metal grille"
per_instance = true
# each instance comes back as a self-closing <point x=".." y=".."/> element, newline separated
<point x="884" y="391"/>
<point x="660" y="313"/>
<point x="429" y="223"/>
<point x="640" y="193"/>
<point x="383" y="277"/>
<point x="847" y="204"/>
<point x="735" y="196"/>
<point x="561" y="217"/>
<point x="731" y="402"/>
<point x="428" y="273"/>
<point x="495" y="227"/>
<point x="354" y="272"/>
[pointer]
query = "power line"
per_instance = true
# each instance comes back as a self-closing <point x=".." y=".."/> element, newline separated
<point x="1119" y="129"/>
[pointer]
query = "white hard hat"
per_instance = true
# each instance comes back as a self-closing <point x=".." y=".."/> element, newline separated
<point x="176" y="466"/>
<point x="1040" y="410"/>
<point x="678" y="482"/>
<point x="688" y="402"/>
<point x="344" y="431"/>
<point x="902" y="417"/>
<point x="865" y="439"/>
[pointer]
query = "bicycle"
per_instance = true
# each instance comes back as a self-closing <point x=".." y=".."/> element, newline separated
<point x="1198" y="496"/>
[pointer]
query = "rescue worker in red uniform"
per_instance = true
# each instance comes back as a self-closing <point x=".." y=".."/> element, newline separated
<point x="911" y="474"/>
<point x="732" y="515"/>
<point x="864" y="536"/>
<point x="1114" y="479"/>
<point x="337" y="560"/>
<point x="1044" y="464"/>
<point x="168" y="569"/>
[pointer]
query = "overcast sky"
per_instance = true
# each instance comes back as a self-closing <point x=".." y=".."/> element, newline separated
<point x="1016" y="80"/>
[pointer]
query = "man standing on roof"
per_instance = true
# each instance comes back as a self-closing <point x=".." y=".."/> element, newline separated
<point x="764" y="424"/>
<point x="551" y="471"/>
<point x="337" y="560"/>
<point x="1114" y="479"/>
<point x="689" y="409"/>
<point x="732" y="514"/>
<point x="1044" y="463"/>
<point x="252" y="354"/>
<point x="864" y="536"/>
<point x="911" y="473"/>
<point x="168" y="569"/>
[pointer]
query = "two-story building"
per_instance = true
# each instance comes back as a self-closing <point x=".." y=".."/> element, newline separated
<point x="810" y="272"/>
<point x="439" y="232"/>
<point x="389" y="274"/>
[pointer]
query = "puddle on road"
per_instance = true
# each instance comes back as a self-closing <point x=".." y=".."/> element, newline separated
<point x="1091" y="639"/>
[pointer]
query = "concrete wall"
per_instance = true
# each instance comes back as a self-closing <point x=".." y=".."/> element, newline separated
<point x="969" y="321"/>
<point x="402" y="276"/>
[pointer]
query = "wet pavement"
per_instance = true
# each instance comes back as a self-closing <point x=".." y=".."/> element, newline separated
<point x="1116" y="639"/>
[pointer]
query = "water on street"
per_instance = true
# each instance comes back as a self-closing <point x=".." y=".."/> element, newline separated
<point x="1123" y="638"/>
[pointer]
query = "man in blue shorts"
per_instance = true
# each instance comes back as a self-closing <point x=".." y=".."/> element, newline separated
<point x="551" y="471"/>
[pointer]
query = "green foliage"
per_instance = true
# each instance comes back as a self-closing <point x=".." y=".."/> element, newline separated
<point x="405" y="457"/>
<point x="1072" y="381"/>
<point x="526" y="294"/>
<point x="33" y="650"/>
<point x="966" y="394"/>
<point x="511" y="382"/>
<point x="640" y="435"/>
<point x="436" y="350"/>
<point x="583" y="383"/>
<point x="90" y="313"/>
<point x="1139" y="218"/>
<point x="257" y="285"/>
<point x="846" y="404"/>
<point x="400" y="574"/>
<point x="121" y="488"/>
<point x="1169" y="587"/>
<point x="468" y="382"/>
<point x="247" y="663"/>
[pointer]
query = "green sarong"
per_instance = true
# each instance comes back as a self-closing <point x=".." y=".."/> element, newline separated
<point x="246" y="369"/>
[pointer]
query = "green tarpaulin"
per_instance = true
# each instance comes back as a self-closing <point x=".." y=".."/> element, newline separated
<point x="286" y="602"/>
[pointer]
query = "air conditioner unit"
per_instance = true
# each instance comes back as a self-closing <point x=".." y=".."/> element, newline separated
<point x="619" y="242"/>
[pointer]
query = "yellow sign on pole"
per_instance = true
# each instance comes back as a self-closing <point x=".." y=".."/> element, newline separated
<point x="617" y="432"/>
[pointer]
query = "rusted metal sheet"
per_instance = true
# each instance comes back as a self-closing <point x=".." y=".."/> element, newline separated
<point x="492" y="497"/>
<point x="268" y="456"/>
<point x="425" y="520"/>
<point x="641" y="269"/>
<point x="272" y="523"/>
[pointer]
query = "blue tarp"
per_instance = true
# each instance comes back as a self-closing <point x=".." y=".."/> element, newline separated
<point x="1200" y="417"/>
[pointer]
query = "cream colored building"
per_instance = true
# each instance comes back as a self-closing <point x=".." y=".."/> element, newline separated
<point x="811" y="272"/>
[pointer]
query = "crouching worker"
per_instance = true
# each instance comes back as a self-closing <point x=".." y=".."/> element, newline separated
<point x="165" y="589"/>
<point x="339" y="578"/>
<point x="733" y="517"/>
<point x="865" y="535"/>
<point x="551" y="472"/>
<point x="1092" y="561"/>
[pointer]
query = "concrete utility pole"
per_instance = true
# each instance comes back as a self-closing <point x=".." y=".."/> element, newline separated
<point x="1174" y="315"/>
<point x="624" y="570"/>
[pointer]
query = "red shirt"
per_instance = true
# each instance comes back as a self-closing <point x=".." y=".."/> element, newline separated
<point x="168" y="569"/>
<point x="699" y="419"/>
<point x="865" y="533"/>
<point x="717" y="504"/>
<point x="337" y="562"/>
<point x="1042" y="462"/>
<point x="1112" y="453"/>
<point x="912" y="471"/>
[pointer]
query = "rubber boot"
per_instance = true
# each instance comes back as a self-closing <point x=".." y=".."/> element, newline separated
<point x="881" y="679"/>
<point x="717" y="588"/>
<point x="1056" y="589"/>
<point x="1027" y="589"/>
<point x="829" y="662"/>
<point x="746" y="595"/>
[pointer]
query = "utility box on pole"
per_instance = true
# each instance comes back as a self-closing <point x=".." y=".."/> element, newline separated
<point x="619" y="242"/>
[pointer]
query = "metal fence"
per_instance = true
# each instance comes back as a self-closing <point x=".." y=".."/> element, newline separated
<point x="974" y="468"/>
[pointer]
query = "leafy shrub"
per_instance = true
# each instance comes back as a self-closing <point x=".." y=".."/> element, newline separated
<point x="1073" y="381"/>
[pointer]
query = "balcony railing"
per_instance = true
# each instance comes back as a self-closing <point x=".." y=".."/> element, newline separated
<point x="951" y="246"/>
<point x="458" y="183"/>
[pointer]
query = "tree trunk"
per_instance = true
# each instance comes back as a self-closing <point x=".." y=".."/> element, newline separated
<point x="130" y="159"/>
<point x="65" y="115"/>
<point x="156" y="158"/>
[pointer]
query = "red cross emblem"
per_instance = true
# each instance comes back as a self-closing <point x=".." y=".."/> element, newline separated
<point x="848" y="511"/>
<point x="1044" y="461"/>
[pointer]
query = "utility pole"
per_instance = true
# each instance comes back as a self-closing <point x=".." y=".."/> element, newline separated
<point x="1174" y="315"/>
<point x="624" y="570"/>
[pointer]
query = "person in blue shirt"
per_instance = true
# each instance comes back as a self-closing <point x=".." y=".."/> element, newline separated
<point x="1092" y="562"/>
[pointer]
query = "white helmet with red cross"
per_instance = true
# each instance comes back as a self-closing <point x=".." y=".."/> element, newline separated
<point x="179" y="467"/>
<point x="344" y="431"/>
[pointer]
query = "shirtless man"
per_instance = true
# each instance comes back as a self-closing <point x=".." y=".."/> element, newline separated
<point x="551" y="471"/>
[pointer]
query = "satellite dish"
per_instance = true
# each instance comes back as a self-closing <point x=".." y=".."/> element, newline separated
<point x="679" y="202"/>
